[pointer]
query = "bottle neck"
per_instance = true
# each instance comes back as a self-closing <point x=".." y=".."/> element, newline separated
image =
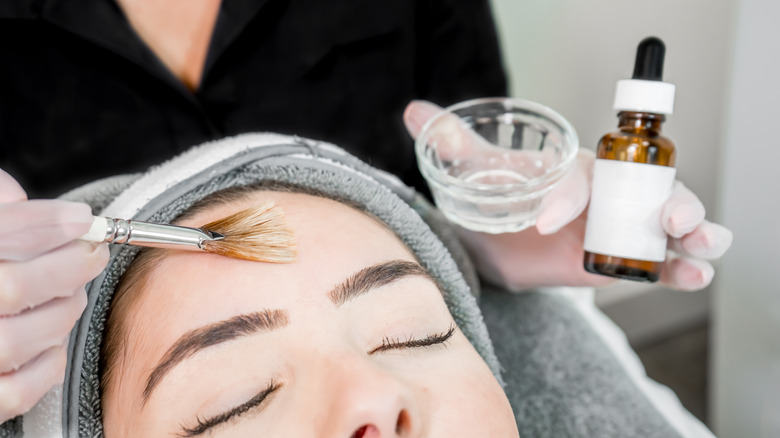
<point x="639" y="120"/>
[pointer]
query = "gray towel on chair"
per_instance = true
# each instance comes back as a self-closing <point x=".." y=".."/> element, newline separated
<point x="561" y="379"/>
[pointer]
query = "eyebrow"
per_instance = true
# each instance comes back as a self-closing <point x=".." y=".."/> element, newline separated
<point x="210" y="335"/>
<point x="376" y="276"/>
<point x="365" y="280"/>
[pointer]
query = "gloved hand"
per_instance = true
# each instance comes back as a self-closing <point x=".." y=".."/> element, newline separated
<point x="43" y="271"/>
<point x="551" y="253"/>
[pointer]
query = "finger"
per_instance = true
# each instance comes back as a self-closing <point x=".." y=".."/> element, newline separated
<point x="20" y="390"/>
<point x="569" y="197"/>
<point x="708" y="241"/>
<point x="417" y="114"/>
<point x="682" y="212"/>
<point x="24" y="336"/>
<point x="10" y="190"/>
<point x="448" y="134"/>
<point x="68" y="268"/>
<point x="32" y="228"/>
<point x="686" y="274"/>
<point x="453" y="138"/>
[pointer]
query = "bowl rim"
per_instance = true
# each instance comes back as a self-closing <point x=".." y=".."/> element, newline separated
<point x="550" y="177"/>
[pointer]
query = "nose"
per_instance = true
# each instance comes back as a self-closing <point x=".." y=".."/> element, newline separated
<point x="377" y="416"/>
<point x="367" y="401"/>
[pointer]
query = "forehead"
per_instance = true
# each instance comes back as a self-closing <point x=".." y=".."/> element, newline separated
<point x="315" y="221"/>
<point x="333" y="242"/>
<point x="298" y="209"/>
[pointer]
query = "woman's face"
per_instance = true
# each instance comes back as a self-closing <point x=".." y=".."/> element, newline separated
<point x="351" y="340"/>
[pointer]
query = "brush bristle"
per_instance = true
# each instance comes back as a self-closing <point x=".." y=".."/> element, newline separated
<point x="259" y="233"/>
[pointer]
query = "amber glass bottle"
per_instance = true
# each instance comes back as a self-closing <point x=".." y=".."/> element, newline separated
<point x="638" y="140"/>
<point x="633" y="176"/>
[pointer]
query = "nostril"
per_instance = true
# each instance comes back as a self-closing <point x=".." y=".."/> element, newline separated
<point x="360" y="433"/>
<point x="403" y="428"/>
<point x="368" y="431"/>
<point x="403" y="424"/>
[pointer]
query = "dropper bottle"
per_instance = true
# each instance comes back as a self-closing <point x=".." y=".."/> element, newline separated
<point x="633" y="176"/>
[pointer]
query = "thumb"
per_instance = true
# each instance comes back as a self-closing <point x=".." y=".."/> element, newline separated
<point x="417" y="113"/>
<point x="568" y="199"/>
<point x="453" y="139"/>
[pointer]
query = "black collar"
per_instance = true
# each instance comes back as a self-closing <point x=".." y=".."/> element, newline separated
<point x="321" y="26"/>
<point x="102" y="22"/>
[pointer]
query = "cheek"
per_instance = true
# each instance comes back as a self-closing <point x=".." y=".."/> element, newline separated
<point x="464" y="399"/>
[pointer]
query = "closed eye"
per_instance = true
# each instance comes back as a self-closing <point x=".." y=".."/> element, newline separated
<point x="398" y="344"/>
<point x="207" y="424"/>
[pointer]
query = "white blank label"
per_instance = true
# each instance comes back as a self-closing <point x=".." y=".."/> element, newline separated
<point x="624" y="219"/>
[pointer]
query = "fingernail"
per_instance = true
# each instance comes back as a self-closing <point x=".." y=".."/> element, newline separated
<point x="696" y="276"/>
<point x="706" y="274"/>
<point x="680" y="225"/>
<point x="555" y="217"/>
<point x="74" y="218"/>
<point x="547" y="228"/>
<point x="683" y="219"/>
<point x="101" y="252"/>
<point x="711" y="244"/>
<point x="699" y="245"/>
<point x="73" y="213"/>
<point x="417" y="113"/>
<point x="721" y="241"/>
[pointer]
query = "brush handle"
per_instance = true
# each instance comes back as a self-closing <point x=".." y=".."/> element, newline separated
<point x="106" y="229"/>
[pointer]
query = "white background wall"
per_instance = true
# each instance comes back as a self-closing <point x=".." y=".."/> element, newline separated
<point x="723" y="56"/>
<point x="746" y="377"/>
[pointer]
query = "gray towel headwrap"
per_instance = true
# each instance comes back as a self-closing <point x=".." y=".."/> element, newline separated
<point x="167" y="190"/>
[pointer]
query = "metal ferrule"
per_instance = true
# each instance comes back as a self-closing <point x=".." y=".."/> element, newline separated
<point x="157" y="235"/>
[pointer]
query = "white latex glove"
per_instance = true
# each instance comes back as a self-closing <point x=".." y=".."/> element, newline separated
<point x="551" y="253"/>
<point x="43" y="271"/>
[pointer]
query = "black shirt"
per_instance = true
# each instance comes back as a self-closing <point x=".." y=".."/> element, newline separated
<point x="82" y="97"/>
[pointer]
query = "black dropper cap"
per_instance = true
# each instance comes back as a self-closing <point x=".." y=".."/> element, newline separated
<point x="649" y="64"/>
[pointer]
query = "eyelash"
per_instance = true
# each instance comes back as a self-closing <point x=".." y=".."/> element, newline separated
<point x="204" y="425"/>
<point x="398" y="344"/>
<point x="257" y="400"/>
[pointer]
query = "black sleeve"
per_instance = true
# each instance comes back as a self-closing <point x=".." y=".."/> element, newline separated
<point x="459" y="56"/>
<point x="27" y="9"/>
